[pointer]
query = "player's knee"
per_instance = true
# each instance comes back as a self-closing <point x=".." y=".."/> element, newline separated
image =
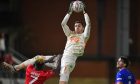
<point x="66" y="69"/>
<point x="65" y="72"/>
<point x="64" y="76"/>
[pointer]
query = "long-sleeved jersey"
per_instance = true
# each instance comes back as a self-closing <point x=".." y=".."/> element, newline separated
<point x="75" y="42"/>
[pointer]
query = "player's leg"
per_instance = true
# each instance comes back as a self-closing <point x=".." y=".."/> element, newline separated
<point x="24" y="64"/>
<point x="65" y="73"/>
<point x="32" y="61"/>
<point x="67" y="66"/>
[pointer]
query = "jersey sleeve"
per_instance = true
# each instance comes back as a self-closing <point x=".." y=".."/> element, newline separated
<point x="119" y="78"/>
<point x="87" y="27"/>
<point x="64" y="25"/>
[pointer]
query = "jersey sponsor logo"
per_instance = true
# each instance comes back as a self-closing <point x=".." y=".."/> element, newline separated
<point x="74" y="39"/>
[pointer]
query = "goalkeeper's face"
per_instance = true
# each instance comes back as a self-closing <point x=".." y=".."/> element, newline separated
<point x="78" y="28"/>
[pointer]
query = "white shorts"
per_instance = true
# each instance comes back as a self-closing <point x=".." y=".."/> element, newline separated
<point x="67" y="66"/>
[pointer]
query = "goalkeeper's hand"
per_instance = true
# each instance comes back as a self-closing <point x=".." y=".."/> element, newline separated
<point x="70" y="8"/>
<point x="84" y="8"/>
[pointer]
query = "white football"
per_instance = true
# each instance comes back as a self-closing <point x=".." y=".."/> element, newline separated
<point x="77" y="6"/>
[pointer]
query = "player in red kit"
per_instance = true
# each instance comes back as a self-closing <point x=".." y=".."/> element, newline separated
<point x="38" y="73"/>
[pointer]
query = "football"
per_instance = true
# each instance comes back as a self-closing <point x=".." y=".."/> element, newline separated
<point x="77" y="6"/>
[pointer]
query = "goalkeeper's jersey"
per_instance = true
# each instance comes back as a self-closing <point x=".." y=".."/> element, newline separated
<point x="75" y="45"/>
<point x="75" y="42"/>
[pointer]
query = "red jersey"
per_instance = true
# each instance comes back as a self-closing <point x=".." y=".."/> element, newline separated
<point x="37" y="77"/>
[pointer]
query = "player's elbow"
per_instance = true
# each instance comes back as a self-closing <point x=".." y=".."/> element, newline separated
<point x="87" y="36"/>
<point x="88" y="24"/>
<point x="63" y="23"/>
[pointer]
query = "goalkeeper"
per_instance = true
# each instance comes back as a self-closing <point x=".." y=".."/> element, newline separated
<point x="75" y="45"/>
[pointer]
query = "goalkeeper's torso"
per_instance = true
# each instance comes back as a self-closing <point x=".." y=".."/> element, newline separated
<point x="75" y="45"/>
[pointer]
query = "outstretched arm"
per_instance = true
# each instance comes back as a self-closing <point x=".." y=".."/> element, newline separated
<point x="88" y="25"/>
<point x="64" y="25"/>
<point x="49" y="59"/>
<point x="31" y="61"/>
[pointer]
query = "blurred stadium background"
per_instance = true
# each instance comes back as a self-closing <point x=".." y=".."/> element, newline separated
<point x="33" y="27"/>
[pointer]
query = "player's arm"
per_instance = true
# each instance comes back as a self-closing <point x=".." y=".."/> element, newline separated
<point x="24" y="64"/>
<point x="119" y="78"/>
<point x="31" y="61"/>
<point x="88" y="25"/>
<point x="64" y="25"/>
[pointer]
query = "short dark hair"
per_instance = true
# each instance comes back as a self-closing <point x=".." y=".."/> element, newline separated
<point x="125" y="60"/>
<point x="39" y="65"/>
<point x="78" y="22"/>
